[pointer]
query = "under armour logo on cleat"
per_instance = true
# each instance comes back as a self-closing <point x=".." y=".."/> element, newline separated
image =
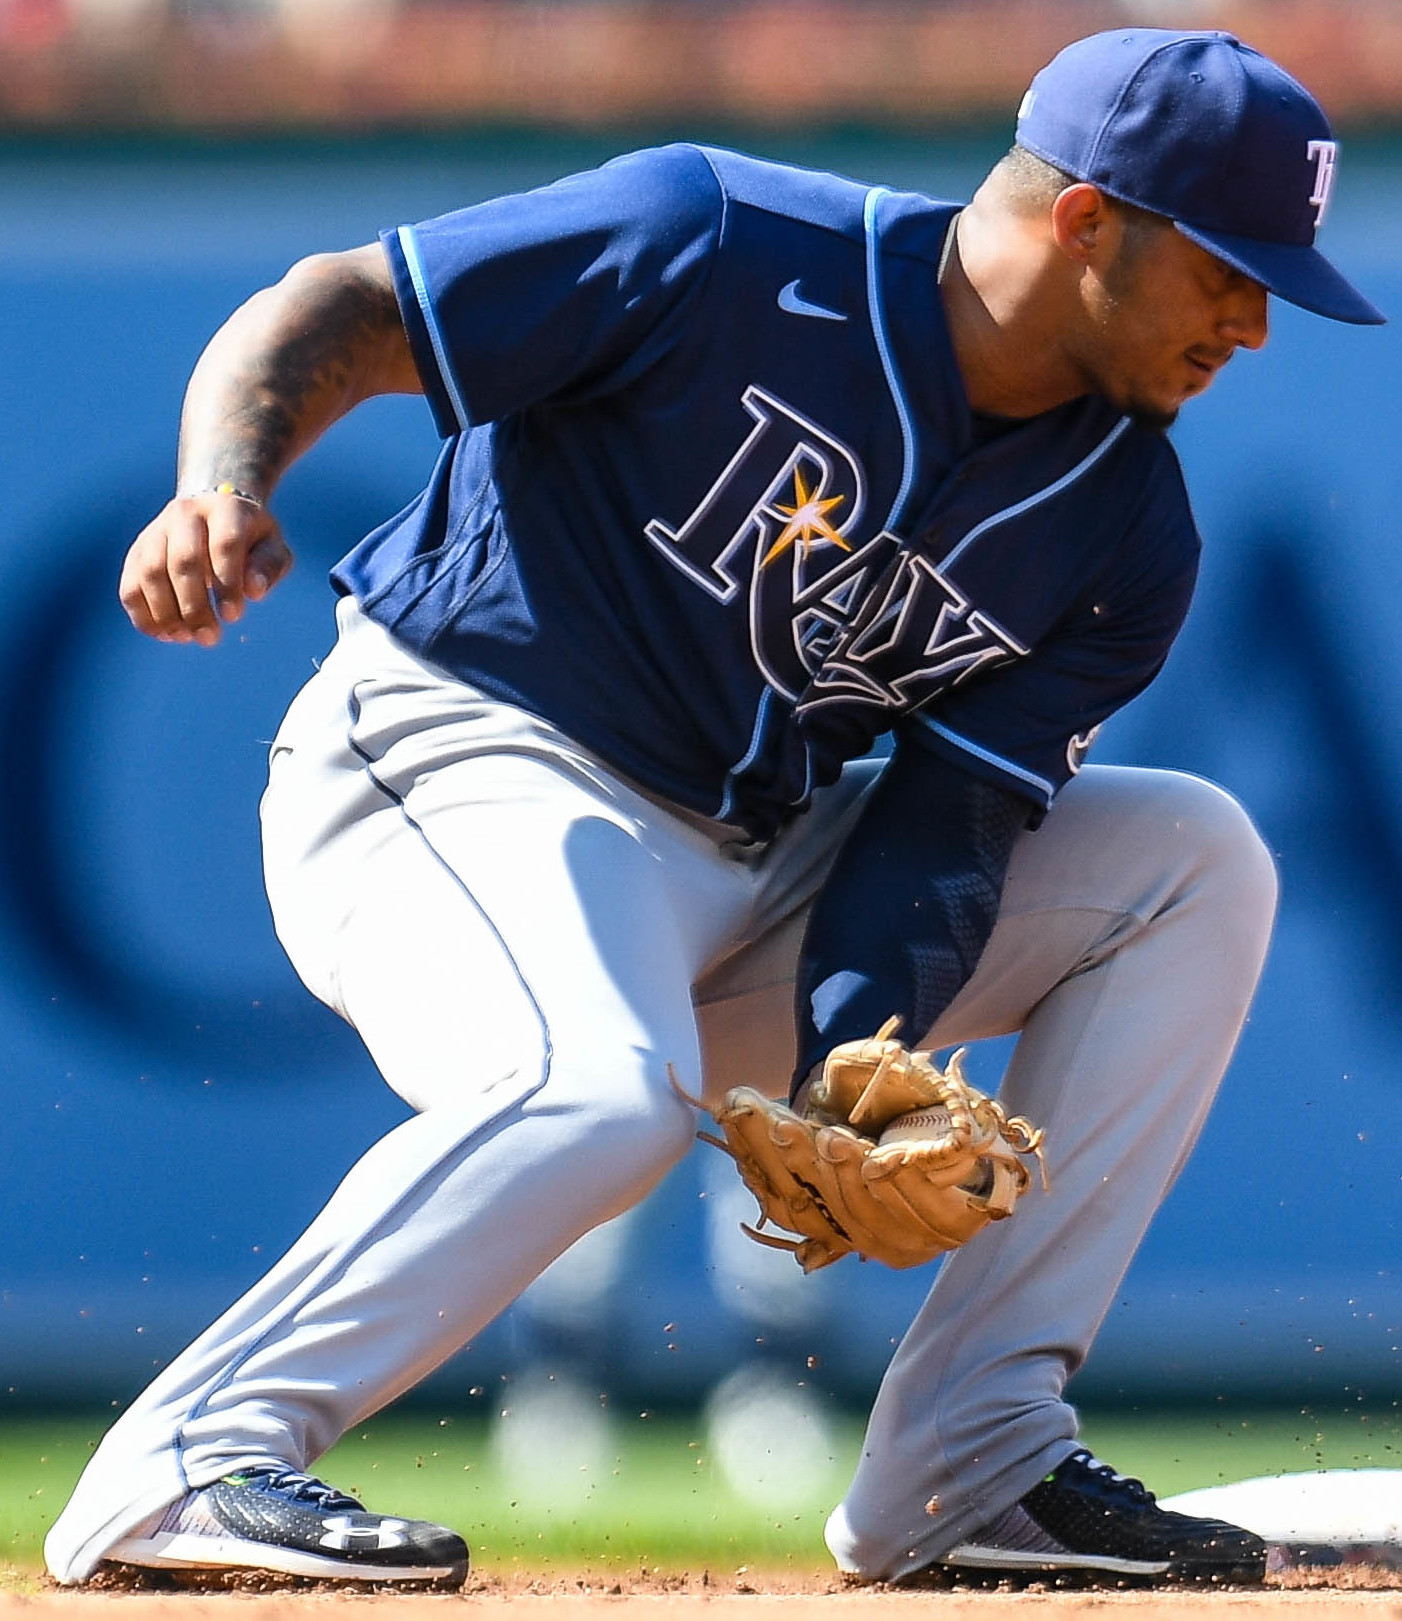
<point x="342" y="1532"/>
<point x="792" y="304"/>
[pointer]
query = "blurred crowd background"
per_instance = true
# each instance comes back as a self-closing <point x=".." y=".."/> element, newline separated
<point x="238" y="64"/>
<point x="176" y="1107"/>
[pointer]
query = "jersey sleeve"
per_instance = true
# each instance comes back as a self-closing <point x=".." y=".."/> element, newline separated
<point x="570" y="288"/>
<point x="1027" y="725"/>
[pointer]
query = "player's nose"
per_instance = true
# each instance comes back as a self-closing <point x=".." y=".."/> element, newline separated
<point x="1247" y="322"/>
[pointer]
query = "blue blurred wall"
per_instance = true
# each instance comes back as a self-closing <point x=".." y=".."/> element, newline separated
<point x="176" y="1107"/>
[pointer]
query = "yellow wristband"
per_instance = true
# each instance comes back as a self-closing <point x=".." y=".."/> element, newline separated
<point x="232" y="489"/>
<point x="226" y="488"/>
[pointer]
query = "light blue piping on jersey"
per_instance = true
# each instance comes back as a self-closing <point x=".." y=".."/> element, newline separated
<point x="1011" y="767"/>
<point x="1083" y="466"/>
<point x="435" y="333"/>
<point x="756" y="738"/>
<point x="877" y="310"/>
<point x="1016" y="510"/>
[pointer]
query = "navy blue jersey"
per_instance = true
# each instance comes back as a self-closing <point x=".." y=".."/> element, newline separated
<point x="711" y="498"/>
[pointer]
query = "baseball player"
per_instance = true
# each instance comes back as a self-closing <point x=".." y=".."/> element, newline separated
<point x="744" y="470"/>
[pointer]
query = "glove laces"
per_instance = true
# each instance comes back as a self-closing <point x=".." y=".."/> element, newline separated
<point x="1024" y="1137"/>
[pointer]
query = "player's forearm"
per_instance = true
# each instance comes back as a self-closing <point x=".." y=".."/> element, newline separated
<point x="290" y="362"/>
<point x="904" y="916"/>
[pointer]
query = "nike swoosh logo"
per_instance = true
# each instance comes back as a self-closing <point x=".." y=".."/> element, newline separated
<point x="792" y="304"/>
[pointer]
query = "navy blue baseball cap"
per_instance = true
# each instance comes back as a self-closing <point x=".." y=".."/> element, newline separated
<point x="1200" y="128"/>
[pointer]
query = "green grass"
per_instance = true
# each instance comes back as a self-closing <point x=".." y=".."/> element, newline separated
<point x="655" y="1495"/>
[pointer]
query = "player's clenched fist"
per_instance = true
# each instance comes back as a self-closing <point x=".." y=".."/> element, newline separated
<point x="198" y="562"/>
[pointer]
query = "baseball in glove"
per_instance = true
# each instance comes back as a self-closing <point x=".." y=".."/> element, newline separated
<point x="893" y="1157"/>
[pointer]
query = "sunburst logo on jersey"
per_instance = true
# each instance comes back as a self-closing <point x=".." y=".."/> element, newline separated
<point x="808" y="523"/>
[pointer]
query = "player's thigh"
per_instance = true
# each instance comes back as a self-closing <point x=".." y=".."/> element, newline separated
<point x="1120" y="846"/>
<point x="595" y="926"/>
<point x="490" y="915"/>
<point x="384" y="934"/>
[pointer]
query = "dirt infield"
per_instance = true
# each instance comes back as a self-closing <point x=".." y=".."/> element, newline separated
<point x="1354" y="1595"/>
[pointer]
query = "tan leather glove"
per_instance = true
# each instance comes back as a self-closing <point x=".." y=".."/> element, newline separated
<point x="893" y="1157"/>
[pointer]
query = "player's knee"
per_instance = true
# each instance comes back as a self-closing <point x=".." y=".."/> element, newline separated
<point x="670" y="1122"/>
<point x="637" y="1116"/>
<point x="1228" y="866"/>
<point x="1229" y="844"/>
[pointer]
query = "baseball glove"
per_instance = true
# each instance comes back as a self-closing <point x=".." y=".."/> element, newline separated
<point x="893" y="1157"/>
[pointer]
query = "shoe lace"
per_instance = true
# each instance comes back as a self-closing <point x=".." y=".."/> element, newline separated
<point x="303" y="1488"/>
<point x="1108" y="1476"/>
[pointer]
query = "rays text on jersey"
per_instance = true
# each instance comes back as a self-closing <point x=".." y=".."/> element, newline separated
<point x="913" y="636"/>
<point x="786" y="464"/>
<point x="829" y="620"/>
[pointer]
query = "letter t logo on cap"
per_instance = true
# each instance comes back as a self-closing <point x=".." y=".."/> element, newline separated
<point x="1325" y="155"/>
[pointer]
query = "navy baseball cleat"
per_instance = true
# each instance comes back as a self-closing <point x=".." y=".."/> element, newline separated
<point x="273" y="1519"/>
<point x="1084" y="1522"/>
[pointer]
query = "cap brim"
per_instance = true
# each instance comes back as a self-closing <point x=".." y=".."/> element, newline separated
<point x="1299" y="275"/>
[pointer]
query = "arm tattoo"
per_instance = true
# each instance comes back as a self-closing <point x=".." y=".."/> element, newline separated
<point x="291" y="362"/>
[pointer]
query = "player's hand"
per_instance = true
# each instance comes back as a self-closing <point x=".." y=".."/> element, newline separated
<point x="198" y="562"/>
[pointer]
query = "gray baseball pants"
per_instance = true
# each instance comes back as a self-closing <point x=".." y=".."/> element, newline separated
<point x="525" y="942"/>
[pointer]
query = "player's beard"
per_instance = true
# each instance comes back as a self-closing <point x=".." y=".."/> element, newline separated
<point x="1103" y="364"/>
<point x="1142" y="231"/>
<point x="1145" y="414"/>
<point x="1151" y="418"/>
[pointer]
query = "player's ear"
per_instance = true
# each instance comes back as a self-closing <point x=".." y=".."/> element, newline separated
<point x="1080" y="221"/>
